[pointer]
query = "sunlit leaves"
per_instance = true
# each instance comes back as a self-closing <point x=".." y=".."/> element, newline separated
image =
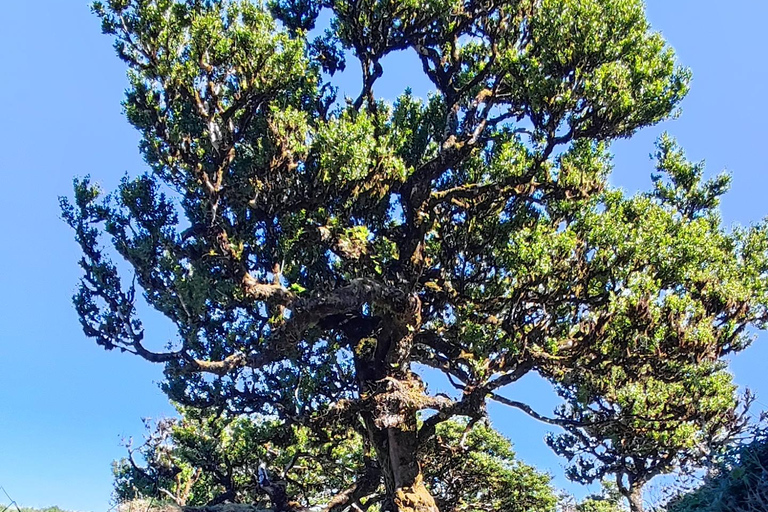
<point x="487" y="203"/>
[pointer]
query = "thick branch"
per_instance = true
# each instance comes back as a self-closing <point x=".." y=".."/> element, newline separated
<point x="307" y="313"/>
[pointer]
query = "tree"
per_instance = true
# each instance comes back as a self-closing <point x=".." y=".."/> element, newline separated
<point x="606" y="415"/>
<point x="311" y="251"/>
<point x="609" y="500"/>
<point x="647" y="429"/>
<point x="206" y="459"/>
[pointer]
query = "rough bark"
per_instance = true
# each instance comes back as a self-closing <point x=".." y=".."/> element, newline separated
<point x="410" y="494"/>
<point x="635" y="498"/>
<point x="397" y="453"/>
<point x="397" y="395"/>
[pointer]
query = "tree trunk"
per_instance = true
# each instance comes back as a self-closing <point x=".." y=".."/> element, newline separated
<point x="635" y="498"/>
<point x="397" y="453"/>
<point x="384" y="377"/>
<point x="393" y="433"/>
<point x="410" y="493"/>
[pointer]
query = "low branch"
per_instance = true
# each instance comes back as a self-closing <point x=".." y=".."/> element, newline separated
<point x="559" y="422"/>
<point x="530" y="412"/>
<point x="305" y="314"/>
<point x="364" y="486"/>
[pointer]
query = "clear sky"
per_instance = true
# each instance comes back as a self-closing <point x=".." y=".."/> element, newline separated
<point x="66" y="403"/>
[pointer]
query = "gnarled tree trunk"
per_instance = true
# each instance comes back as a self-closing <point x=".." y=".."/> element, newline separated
<point x="397" y="395"/>
<point x="410" y="493"/>
<point x="635" y="498"/>
<point x="397" y="453"/>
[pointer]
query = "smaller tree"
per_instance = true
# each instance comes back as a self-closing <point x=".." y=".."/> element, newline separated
<point x="608" y="500"/>
<point x="660" y="414"/>
<point x="599" y="504"/>
<point x="472" y="468"/>
<point x="206" y="459"/>
<point x="649" y="428"/>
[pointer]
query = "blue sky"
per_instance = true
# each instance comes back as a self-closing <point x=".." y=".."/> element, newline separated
<point x="65" y="403"/>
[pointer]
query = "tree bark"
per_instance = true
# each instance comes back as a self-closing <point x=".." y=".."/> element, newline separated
<point x="635" y="498"/>
<point x="410" y="493"/>
<point x="396" y="395"/>
<point x="397" y="452"/>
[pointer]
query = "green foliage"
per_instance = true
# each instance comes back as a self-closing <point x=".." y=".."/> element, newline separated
<point x="200" y="459"/>
<point x="684" y="189"/>
<point x="473" y="468"/>
<point x="310" y="251"/>
<point x="610" y="499"/>
<point x="634" y="421"/>
<point x="599" y="505"/>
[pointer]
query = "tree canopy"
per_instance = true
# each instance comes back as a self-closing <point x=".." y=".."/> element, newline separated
<point x="311" y="250"/>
